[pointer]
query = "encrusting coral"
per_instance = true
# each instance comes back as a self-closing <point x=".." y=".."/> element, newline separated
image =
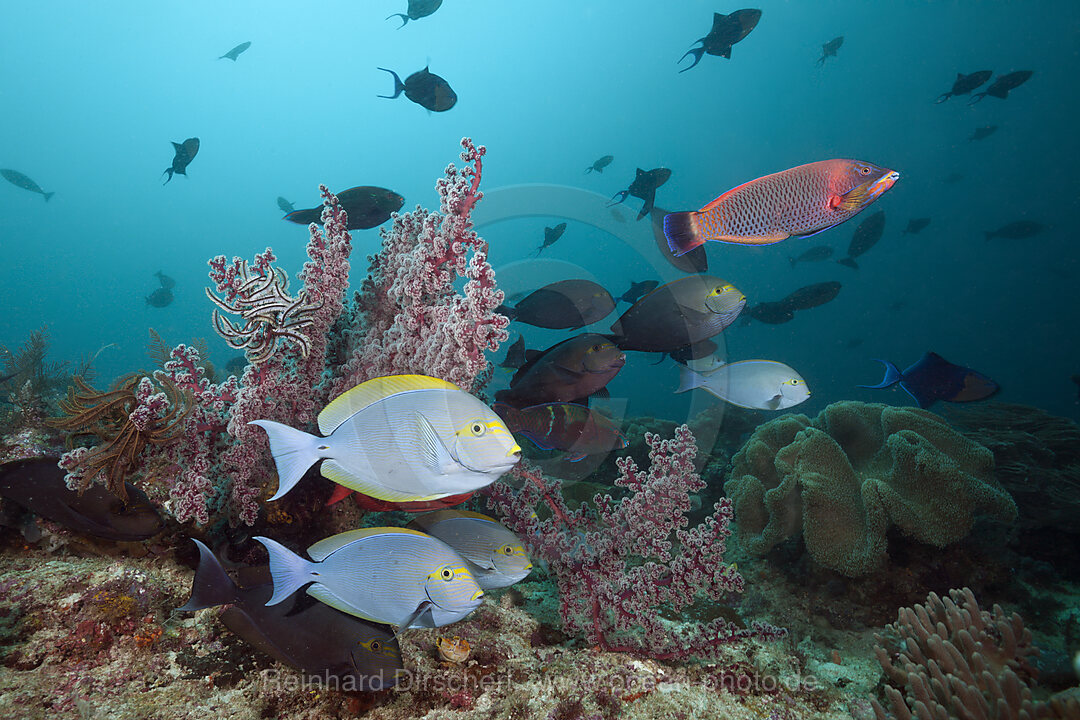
<point x="844" y="478"/>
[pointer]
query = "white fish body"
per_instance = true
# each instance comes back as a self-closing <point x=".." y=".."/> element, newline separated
<point x="753" y="384"/>
<point x="496" y="556"/>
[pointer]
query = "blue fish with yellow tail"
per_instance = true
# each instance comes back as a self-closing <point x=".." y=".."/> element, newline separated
<point x="495" y="556"/>
<point x="385" y="575"/>
<point x="399" y="438"/>
<point x="934" y="378"/>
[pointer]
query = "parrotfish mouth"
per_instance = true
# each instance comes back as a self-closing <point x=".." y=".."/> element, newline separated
<point x="879" y="186"/>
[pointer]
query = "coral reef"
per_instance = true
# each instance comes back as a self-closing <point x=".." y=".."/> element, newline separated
<point x="857" y="469"/>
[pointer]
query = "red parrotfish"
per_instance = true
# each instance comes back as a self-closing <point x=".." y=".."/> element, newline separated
<point x="799" y="202"/>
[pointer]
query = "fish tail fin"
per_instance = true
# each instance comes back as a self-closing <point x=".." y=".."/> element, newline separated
<point x="698" y="53"/>
<point x="48" y="195"/>
<point x="688" y="379"/>
<point x="211" y="586"/>
<point x="506" y="311"/>
<point x="399" y="86"/>
<point x="681" y="231"/>
<point x="290" y="571"/>
<point x="294" y="451"/>
<point x="942" y="98"/>
<point x="168" y="170"/>
<point x="849" y="262"/>
<point x="892" y="376"/>
<point x="977" y="97"/>
<point x="404" y="19"/>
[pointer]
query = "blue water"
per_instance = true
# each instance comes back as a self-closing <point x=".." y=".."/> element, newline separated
<point x="92" y="95"/>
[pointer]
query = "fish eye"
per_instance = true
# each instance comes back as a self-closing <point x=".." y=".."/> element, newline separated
<point x="376" y="646"/>
<point x="507" y="550"/>
<point x="794" y="381"/>
<point x="447" y="574"/>
<point x="478" y="429"/>
<point x="864" y="170"/>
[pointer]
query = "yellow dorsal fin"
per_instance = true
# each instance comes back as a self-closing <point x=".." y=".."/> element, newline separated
<point x="324" y="548"/>
<point x="353" y="401"/>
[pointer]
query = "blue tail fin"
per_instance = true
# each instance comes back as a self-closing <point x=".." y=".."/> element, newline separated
<point x="290" y="571"/>
<point x="892" y="376"/>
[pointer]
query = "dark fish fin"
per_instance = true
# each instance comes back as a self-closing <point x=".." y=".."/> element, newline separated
<point x="531" y="355"/>
<point x="170" y="171"/>
<point x="622" y="195"/>
<point x="177" y="147"/>
<point x="977" y="97"/>
<point x="698" y="53"/>
<point x="726" y="53"/>
<point x="211" y="586"/>
<point x="48" y="195"/>
<point x="942" y="98"/>
<point x="404" y="19"/>
<point x="849" y="262"/>
<point x="892" y="376"/>
<point x="507" y="311"/>
<point x="399" y="86"/>
<point x="680" y="233"/>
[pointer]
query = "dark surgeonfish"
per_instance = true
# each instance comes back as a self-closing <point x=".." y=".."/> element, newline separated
<point x="637" y="290"/>
<point x="865" y="237"/>
<point x="235" y="52"/>
<point x="983" y="132"/>
<point x="814" y="254"/>
<point x="1018" y="230"/>
<point x="644" y="187"/>
<point x="566" y="427"/>
<point x="812" y="296"/>
<point x="570" y="371"/>
<point x="829" y="49"/>
<point x="166" y="282"/>
<point x="285" y="205"/>
<point x="562" y="305"/>
<point x="773" y="313"/>
<point x="515" y="354"/>
<point x="726" y="31"/>
<point x="20" y="180"/>
<point x="695" y="261"/>
<point x="1002" y="85"/>
<point x="160" y="297"/>
<point x="185" y="153"/>
<point x="915" y="226"/>
<point x="300" y="632"/>
<point x="965" y="84"/>
<point x="424" y="88"/>
<point x="679" y="313"/>
<point x="417" y="9"/>
<point x="551" y="234"/>
<point x="600" y="164"/>
<point x="934" y="378"/>
<point x="367" y="206"/>
<point x="38" y="485"/>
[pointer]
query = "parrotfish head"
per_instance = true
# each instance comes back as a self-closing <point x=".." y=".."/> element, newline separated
<point x="453" y="588"/>
<point x="603" y="356"/>
<point x="725" y="299"/>
<point x="856" y="173"/>
<point x="482" y="442"/>
<point x="511" y="560"/>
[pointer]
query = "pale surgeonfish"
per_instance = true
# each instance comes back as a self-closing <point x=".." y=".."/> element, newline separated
<point x="385" y="575"/>
<point x="753" y="384"/>
<point x="398" y="438"/>
<point x="495" y="556"/>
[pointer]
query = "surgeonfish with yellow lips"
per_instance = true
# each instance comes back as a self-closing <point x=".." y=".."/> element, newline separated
<point x="753" y="384"/>
<point x="495" y="556"/>
<point x="384" y="574"/>
<point x="398" y="438"/>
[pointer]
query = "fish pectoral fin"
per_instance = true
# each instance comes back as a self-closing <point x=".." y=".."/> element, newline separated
<point x="774" y="402"/>
<point x="432" y="450"/>
<point x="323" y="595"/>
<point x="851" y="200"/>
<point x="566" y="373"/>
<point x="422" y="609"/>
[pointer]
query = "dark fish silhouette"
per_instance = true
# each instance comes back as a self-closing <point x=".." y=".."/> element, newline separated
<point x="285" y="205"/>
<point x="19" y="180"/>
<point x="829" y="49"/>
<point x="1019" y="230"/>
<point x="424" y="88"/>
<point x="567" y="304"/>
<point x="367" y="206"/>
<point x="515" y="354"/>
<point x="981" y="133"/>
<point x="773" y="313"/>
<point x="160" y="297"/>
<point x="349" y="652"/>
<point x="814" y="254"/>
<point x="166" y="282"/>
<point x="570" y="371"/>
<point x="600" y="164"/>
<point x="417" y="9"/>
<point x="566" y="427"/>
<point x="644" y="187"/>
<point x="965" y="84"/>
<point x="637" y="290"/>
<point x="915" y="226"/>
<point x="812" y="296"/>
<point x="934" y="378"/>
<point x="726" y="31"/>
<point x="185" y="153"/>
<point x="1002" y="85"/>
<point x="679" y="313"/>
<point x="865" y="237"/>
<point x="235" y="52"/>
<point x="695" y="261"/>
<point x="550" y="236"/>
<point x="38" y="485"/>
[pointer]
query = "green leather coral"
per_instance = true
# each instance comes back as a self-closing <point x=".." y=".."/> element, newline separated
<point x="844" y="478"/>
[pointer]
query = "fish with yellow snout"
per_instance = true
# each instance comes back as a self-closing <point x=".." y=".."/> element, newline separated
<point x="384" y="575"/>
<point x="495" y="556"/>
<point x="398" y="438"/>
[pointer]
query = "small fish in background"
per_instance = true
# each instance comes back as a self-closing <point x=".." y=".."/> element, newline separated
<point x="166" y="282"/>
<point x="934" y="378"/>
<point x="184" y="153"/>
<point x="398" y="438"/>
<point x="814" y="254"/>
<point x="551" y="234"/>
<point x="417" y="9"/>
<point x="1003" y="85"/>
<point x="424" y="88"/>
<point x="495" y="556"/>
<point x="366" y="206"/>
<point x="160" y="298"/>
<point x="571" y="428"/>
<point x="570" y="371"/>
<point x="1018" y="230"/>
<point x="304" y="634"/>
<point x="812" y="296"/>
<point x="637" y="290"/>
<point x="965" y="84"/>
<point x="600" y="164"/>
<point x="515" y="354"/>
<point x="679" y="313"/>
<point x="770" y="313"/>
<point x="384" y="575"/>
<point x="20" y="180"/>
<point x="866" y="236"/>
<point x="751" y="384"/>
<point x="801" y="201"/>
<point x="915" y="226"/>
<point x="829" y="49"/>
<point x="983" y="132"/>
<point x="644" y="187"/>
<point x="286" y="206"/>
<point x="235" y="52"/>
<point x="562" y="305"/>
<point x="727" y="30"/>
<point x="952" y="178"/>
